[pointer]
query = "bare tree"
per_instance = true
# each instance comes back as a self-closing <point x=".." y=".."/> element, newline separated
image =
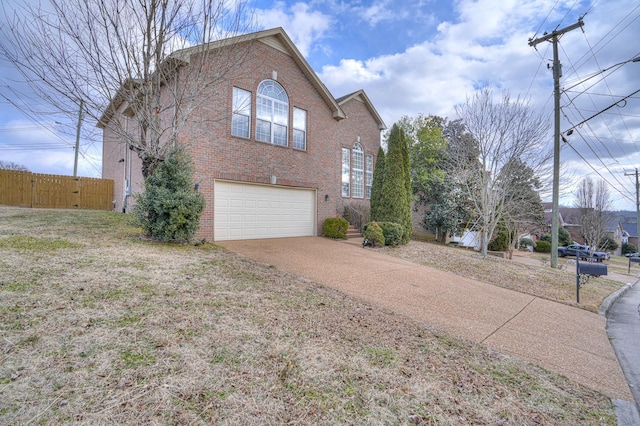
<point x="10" y="165"/>
<point x="111" y="59"/>
<point x="525" y="212"/>
<point x="593" y="201"/>
<point x="505" y="133"/>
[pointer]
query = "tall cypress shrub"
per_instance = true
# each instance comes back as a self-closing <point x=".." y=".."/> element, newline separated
<point x="395" y="203"/>
<point x="407" y="222"/>
<point x="376" y="186"/>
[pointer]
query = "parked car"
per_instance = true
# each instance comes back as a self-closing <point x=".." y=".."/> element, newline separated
<point x="584" y="252"/>
<point x="636" y="254"/>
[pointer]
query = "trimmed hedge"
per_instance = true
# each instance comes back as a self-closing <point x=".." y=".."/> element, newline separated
<point x="524" y="243"/>
<point x="374" y="234"/>
<point x="393" y="232"/>
<point x="335" y="227"/>
<point x="542" y="247"/>
<point x="628" y="248"/>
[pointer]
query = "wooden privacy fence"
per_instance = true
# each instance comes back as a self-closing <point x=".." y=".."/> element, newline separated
<point x="37" y="190"/>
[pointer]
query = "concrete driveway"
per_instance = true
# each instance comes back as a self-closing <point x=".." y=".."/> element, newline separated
<point x="566" y="340"/>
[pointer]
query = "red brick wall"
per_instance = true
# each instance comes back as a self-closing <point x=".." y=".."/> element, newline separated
<point x="219" y="155"/>
<point x="120" y="163"/>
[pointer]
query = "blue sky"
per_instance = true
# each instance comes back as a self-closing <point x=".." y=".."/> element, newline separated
<point x="426" y="56"/>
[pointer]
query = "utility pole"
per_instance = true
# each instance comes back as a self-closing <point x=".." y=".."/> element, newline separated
<point x="557" y="73"/>
<point x="637" y="203"/>
<point x="75" y="162"/>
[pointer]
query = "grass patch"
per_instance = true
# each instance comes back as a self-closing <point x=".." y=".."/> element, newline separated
<point x="136" y="357"/>
<point x="18" y="286"/>
<point x="382" y="357"/>
<point x="535" y="277"/>
<point x="129" y="331"/>
<point x="27" y="242"/>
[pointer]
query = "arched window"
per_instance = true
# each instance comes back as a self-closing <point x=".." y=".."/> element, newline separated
<point x="272" y="113"/>
<point x="357" y="171"/>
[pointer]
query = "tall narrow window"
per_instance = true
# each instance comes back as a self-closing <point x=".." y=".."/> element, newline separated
<point x="272" y="113"/>
<point x="369" y="174"/>
<point x="299" y="128"/>
<point x="346" y="171"/>
<point x="357" y="171"/>
<point x="241" y="113"/>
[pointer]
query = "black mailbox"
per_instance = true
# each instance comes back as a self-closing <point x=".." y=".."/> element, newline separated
<point x="632" y="260"/>
<point x="595" y="269"/>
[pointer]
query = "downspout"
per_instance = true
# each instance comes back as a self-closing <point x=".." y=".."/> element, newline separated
<point x="124" y="179"/>
<point x="127" y="172"/>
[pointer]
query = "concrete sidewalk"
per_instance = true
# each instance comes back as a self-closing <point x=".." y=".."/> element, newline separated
<point x="563" y="339"/>
<point x="623" y="325"/>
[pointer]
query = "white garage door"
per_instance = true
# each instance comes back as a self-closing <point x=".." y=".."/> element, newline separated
<point x="246" y="211"/>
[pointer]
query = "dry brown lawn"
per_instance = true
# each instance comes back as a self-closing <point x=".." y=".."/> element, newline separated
<point x="99" y="326"/>
<point x="527" y="273"/>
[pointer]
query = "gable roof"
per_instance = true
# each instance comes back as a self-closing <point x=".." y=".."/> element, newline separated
<point x="361" y="96"/>
<point x="276" y="38"/>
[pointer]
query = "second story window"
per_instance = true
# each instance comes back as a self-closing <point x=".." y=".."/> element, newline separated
<point x="357" y="171"/>
<point x="272" y="113"/>
<point x="241" y="115"/>
<point x="299" y="128"/>
<point x="369" y="175"/>
<point x="346" y="169"/>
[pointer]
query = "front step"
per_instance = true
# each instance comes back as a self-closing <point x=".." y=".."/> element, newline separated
<point x="353" y="233"/>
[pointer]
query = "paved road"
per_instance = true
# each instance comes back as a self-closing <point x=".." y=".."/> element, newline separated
<point x="623" y="327"/>
<point x="563" y="339"/>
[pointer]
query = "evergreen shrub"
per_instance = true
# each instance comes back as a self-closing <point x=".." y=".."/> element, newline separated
<point x="393" y="233"/>
<point x="543" y="247"/>
<point x="169" y="208"/>
<point x="523" y="243"/>
<point x="500" y="242"/>
<point x="335" y="227"/>
<point x="628" y="248"/>
<point x="373" y="233"/>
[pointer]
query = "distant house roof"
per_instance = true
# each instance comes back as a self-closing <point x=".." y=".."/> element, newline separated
<point x="630" y="228"/>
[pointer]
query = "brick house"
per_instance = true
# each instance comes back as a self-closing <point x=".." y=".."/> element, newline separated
<point x="279" y="155"/>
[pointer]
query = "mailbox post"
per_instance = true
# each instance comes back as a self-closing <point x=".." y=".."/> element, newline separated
<point x="634" y="260"/>
<point x="587" y="269"/>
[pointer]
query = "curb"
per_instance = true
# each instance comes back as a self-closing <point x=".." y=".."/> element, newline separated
<point x="611" y="299"/>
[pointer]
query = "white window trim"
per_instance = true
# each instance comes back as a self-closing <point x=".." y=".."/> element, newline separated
<point x="368" y="176"/>
<point x="357" y="174"/>
<point x="347" y="164"/>
<point x="241" y="110"/>
<point x="272" y="121"/>
<point x="297" y="128"/>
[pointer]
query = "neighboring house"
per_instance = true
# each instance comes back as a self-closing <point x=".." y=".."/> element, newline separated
<point x="566" y="215"/>
<point x="629" y="234"/>
<point x="282" y="154"/>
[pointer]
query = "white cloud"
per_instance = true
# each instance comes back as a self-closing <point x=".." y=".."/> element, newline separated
<point x="378" y="12"/>
<point x="304" y="25"/>
<point x="488" y="43"/>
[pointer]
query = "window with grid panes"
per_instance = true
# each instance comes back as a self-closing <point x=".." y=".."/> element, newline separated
<point x="241" y="113"/>
<point x="272" y="113"/>
<point x="369" y="174"/>
<point x="346" y="171"/>
<point x="357" y="171"/>
<point x="299" y="128"/>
